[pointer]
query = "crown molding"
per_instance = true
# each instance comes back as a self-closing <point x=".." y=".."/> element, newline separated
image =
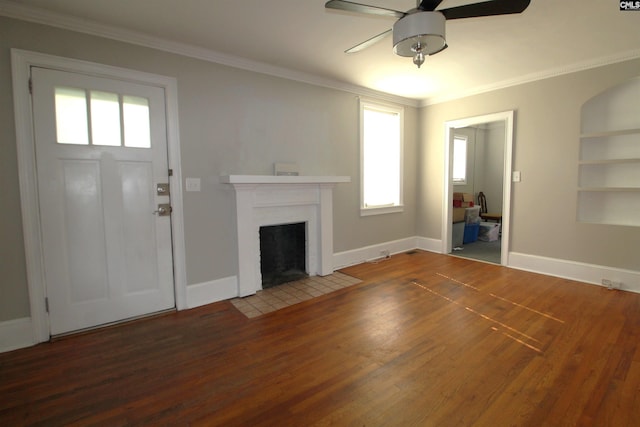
<point x="532" y="77"/>
<point x="65" y="22"/>
<point x="41" y="16"/>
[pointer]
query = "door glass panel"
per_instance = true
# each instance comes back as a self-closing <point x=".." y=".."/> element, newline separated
<point x="71" y="116"/>
<point x="107" y="128"/>
<point x="105" y="118"/>
<point x="137" y="132"/>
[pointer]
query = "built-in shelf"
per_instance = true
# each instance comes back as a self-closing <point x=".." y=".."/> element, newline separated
<point x="609" y="162"/>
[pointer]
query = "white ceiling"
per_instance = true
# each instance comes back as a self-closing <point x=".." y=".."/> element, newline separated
<point x="550" y="37"/>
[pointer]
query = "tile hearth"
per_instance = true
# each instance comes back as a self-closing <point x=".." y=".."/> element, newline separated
<point x="281" y="296"/>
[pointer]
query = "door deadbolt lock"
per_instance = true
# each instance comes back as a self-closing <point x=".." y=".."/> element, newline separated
<point x="162" y="189"/>
<point x="164" y="209"/>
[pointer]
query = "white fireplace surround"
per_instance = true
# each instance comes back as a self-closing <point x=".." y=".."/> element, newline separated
<point x="263" y="200"/>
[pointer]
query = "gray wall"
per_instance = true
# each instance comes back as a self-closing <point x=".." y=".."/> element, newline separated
<point x="546" y="141"/>
<point x="235" y="121"/>
<point x="490" y="164"/>
<point x="231" y="121"/>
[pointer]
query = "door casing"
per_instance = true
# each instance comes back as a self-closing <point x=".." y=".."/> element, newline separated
<point x="21" y="62"/>
<point x="447" y="211"/>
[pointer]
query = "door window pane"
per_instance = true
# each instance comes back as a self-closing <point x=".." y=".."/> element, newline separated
<point x="71" y="116"/>
<point x="137" y="132"/>
<point x="105" y="118"/>
<point x="112" y="117"/>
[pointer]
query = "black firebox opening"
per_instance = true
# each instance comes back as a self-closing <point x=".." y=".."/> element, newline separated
<point x="282" y="253"/>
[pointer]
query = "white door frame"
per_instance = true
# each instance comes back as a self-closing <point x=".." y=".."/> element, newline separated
<point x="447" y="211"/>
<point x="21" y="63"/>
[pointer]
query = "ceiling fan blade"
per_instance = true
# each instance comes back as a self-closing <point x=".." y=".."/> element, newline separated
<point x="429" y="5"/>
<point x="363" y="8"/>
<point x="365" y="44"/>
<point x="487" y="8"/>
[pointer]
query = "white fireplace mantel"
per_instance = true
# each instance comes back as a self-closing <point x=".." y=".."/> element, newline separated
<point x="263" y="200"/>
<point x="285" y="179"/>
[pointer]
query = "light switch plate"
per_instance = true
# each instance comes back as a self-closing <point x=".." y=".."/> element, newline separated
<point x="192" y="184"/>
<point x="516" y="176"/>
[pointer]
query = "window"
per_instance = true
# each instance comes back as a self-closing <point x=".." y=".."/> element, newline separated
<point x="104" y="120"/>
<point x="459" y="160"/>
<point x="381" y="158"/>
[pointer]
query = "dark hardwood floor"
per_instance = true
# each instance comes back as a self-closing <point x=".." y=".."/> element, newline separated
<point x="424" y="340"/>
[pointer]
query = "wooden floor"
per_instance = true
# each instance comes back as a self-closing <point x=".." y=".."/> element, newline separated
<point x="424" y="340"/>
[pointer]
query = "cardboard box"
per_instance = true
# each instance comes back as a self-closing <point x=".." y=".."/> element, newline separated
<point x="463" y="197"/>
<point x="469" y="215"/>
<point x="458" y="214"/>
<point x="462" y="200"/>
<point x="461" y="204"/>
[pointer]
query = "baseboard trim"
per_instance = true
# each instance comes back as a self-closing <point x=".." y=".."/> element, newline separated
<point x="18" y="333"/>
<point x="15" y="334"/>
<point x="368" y="253"/>
<point x="588" y="273"/>
<point x="430" y="245"/>
<point x="204" y="293"/>
<point x="573" y="270"/>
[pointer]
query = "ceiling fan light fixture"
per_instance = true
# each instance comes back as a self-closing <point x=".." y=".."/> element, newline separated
<point x="419" y="34"/>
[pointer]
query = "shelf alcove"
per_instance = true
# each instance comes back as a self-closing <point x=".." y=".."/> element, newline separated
<point x="609" y="164"/>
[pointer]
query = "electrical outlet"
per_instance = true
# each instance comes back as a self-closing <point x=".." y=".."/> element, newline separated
<point x="611" y="284"/>
<point x="192" y="184"/>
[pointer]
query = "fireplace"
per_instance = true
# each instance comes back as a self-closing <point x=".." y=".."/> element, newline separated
<point x="275" y="200"/>
<point x="283" y="253"/>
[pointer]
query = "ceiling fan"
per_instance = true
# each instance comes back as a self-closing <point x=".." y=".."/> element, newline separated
<point x="420" y="31"/>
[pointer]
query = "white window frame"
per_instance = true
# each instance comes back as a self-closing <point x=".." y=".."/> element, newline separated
<point x="466" y="160"/>
<point x="392" y="109"/>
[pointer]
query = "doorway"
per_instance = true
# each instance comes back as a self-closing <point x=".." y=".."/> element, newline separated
<point x="101" y="158"/>
<point x="172" y="264"/>
<point x="480" y="177"/>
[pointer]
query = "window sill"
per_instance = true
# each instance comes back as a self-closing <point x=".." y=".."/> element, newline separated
<point x="381" y="210"/>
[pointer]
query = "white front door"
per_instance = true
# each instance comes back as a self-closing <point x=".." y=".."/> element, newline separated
<point x="101" y="151"/>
